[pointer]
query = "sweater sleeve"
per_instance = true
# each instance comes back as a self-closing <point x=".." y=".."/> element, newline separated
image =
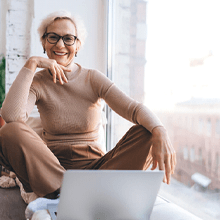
<point x="122" y="104"/>
<point x="19" y="101"/>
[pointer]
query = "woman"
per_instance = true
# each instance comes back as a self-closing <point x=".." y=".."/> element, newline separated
<point x="68" y="99"/>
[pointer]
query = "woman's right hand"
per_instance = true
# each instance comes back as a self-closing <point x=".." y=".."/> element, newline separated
<point x="55" y="69"/>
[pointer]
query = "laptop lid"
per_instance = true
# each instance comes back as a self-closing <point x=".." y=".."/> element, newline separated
<point x="108" y="194"/>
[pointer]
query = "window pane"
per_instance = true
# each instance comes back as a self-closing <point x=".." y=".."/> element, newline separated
<point x="217" y="128"/>
<point x="185" y="153"/>
<point x="166" y="54"/>
<point x="201" y="125"/>
<point x="217" y="164"/>
<point x="192" y="154"/>
<point x="209" y="127"/>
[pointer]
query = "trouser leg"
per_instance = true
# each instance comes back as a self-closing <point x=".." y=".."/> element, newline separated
<point x="24" y="152"/>
<point x="133" y="152"/>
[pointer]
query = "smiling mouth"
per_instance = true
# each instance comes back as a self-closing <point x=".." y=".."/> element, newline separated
<point x="59" y="53"/>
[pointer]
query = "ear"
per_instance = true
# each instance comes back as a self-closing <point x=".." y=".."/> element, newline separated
<point x="78" y="45"/>
<point x="43" y="44"/>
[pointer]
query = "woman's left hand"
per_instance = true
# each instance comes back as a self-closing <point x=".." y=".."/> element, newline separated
<point x="163" y="153"/>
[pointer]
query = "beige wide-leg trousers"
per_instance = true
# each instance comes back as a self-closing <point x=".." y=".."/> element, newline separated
<point x="40" y="168"/>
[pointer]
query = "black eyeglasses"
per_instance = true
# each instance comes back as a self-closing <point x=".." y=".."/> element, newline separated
<point x="53" y="38"/>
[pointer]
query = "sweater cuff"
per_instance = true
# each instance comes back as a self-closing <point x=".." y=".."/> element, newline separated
<point x="26" y="70"/>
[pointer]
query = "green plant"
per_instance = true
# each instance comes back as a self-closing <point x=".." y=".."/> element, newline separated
<point x="2" y="79"/>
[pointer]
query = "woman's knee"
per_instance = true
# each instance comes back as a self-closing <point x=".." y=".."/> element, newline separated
<point x="14" y="134"/>
<point x="137" y="137"/>
<point x="138" y="131"/>
<point x="11" y="130"/>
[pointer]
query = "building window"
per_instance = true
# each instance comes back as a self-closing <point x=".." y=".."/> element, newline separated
<point x="201" y="125"/>
<point x="217" y="127"/>
<point x="185" y="153"/>
<point x="217" y="163"/>
<point x="210" y="162"/>
<point x="192" y="154"/>
<point x="200" y="158"/>
<point x="209" y="127"/>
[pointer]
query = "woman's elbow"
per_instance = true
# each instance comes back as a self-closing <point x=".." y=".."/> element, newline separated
<point x="9" y="116"/>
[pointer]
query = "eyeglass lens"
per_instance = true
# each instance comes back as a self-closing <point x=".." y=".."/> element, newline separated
<point x="67" y="39"/>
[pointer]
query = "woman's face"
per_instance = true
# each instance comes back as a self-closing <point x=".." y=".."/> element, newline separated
<point x="61" y="52"/>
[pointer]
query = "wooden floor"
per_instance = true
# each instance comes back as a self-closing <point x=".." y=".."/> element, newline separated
<point x="12" y="207"/>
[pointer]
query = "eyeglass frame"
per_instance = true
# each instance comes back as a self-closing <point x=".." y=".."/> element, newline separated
<point x="75" y="38"/>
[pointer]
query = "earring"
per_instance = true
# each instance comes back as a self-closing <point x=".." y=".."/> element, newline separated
<point x="76" y="54"/>
<point x="44" y="50"/>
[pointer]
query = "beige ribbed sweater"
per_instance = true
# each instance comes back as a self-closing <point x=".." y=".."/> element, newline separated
<point x="71" y="112"/>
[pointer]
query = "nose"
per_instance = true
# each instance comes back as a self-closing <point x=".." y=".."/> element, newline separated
<point x="60" y="43"/>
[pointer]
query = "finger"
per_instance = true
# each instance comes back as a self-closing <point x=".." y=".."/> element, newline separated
<point x="173" y="156"/>
<point x="174" y="161"/>
<point x="154" y="166"/>
<point x="161" y="163"/>
<point x="168" y="168"/>
<point x="63" y="75"/>
<point x="59" y="75"/>
<point x="161" y="167"/>
<point x="164" y="179"/>
<point x="53" y="71"/>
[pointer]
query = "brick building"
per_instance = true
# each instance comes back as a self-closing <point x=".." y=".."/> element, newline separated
<point x="194" y="128"/>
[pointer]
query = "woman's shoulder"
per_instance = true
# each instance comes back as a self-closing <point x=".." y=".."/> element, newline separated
<point x="98" y="80"/>
<point x="94" y="74"/>
<point x="88" y="70"/>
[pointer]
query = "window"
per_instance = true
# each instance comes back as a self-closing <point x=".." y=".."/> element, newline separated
<point x="192" y="154"/>
<point x="166" y="54"/>
<point x="217" y="163"/>
<point x="128" y="56"/>
<point x="185" y="153"/>
<point x="209" y="127"/>
<point x="209" y="161"/>
<point x="200" y="156"/>
<point x="201" y="125"/>
<point x="217" y="127"/>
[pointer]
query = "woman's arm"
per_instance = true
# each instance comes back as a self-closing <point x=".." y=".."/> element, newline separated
<point x="56" y="70"/>
<point x="163" y="153"/>
<point x="14" y="107"/>
<point x="19" y="101"/>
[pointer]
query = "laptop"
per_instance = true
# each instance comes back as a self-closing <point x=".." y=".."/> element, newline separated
<point x="107" y="195"/>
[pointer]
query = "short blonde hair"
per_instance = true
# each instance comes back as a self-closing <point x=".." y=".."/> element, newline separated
<point x="81" y="32"/>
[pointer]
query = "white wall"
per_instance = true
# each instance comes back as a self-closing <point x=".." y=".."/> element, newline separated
<point x="93" y="13"/>
<point x="19" y="17"/>
<point x="2" y="27"/>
